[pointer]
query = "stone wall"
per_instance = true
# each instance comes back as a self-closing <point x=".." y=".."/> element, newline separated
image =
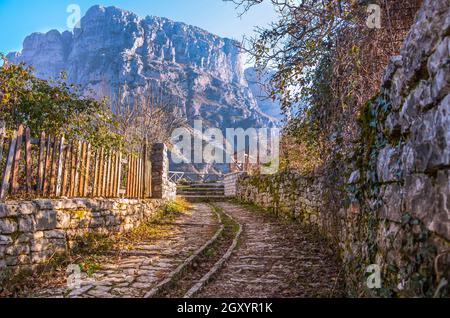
<point x="230" y="183"/>
<point x="288" y="194"/>
<point x="33" y="231"/>
<point x="395" y="208"/>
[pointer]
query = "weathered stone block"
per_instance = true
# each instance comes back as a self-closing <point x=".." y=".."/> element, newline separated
<point x="11" y="261"/>
<point x="38" y="235"/>
<point x="420" y="197"/>
<point x="393" y="125"/>
<point x="18" y="260"/>
<point x="26" y="224"/>
<point x="58" y="245"/>
<point x="389" y="164"/>
<point x="95" y="214"/>
<point x="440" y="86"/>
<point x="103" y="205"/>
<point x="18" y="249"/>
<point x="5" y="240"/>
<point x="439" y="57"/>
<point x="410" y="112"/>
<point x="55" y="234"/>
<point x="41" y="256"/>
<point x="39" y="245"/>
<point x="111" y="221"/>
<point x="97" y="222"/>
<point x="79" y="223"/>
<point x="395" y="63"/>
<point x="26" y="208"/>
<point x="44" y="204"/>
<point x="8" y="226"/>
<point x="441" y="220"/>
<point x="63" y="220"/>
<point x="9" y="209"/>
<point x="46" y="220"/>
<point x="25" y="238"/>
<point x="392" y="208"/>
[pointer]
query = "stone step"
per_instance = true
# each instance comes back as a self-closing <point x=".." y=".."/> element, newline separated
<point x="193" y="193"/>
<point x="202" y="186"/>
<point x="201" y="190"/>
<point x="200" y="199"/>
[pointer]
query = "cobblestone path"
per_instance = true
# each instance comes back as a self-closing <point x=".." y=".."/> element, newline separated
<point x="272" y="259"/>
<point x="142" y="268"/>
<point x="275" y="260"/>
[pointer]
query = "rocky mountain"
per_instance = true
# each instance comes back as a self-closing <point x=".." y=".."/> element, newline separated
<point x="258" y="83"/>
<point x="116" y="50"/>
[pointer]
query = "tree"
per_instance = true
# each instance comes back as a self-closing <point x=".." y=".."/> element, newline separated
<point x="328" y="64"/>
<point x="151" y="118"/>
<point x="54" y="107"/>
<point x="295" y="43"/>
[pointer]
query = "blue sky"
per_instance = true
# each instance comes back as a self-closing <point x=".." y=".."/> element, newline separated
<point x="19" y="18"/>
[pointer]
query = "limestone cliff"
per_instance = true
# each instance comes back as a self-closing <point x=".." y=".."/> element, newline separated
<point x="115" y="48"/>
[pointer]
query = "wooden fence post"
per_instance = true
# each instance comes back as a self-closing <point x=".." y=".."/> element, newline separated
<point x="41" y="169"/>
<point x="133" y="177"/>
<point x="127" y="193"/>
<point x="45" y="187"/>
<point x="119" y="175"/>
<point x="108" y="175"/>
<point x="54" y="166"/>
<point x="105" y="174"/>
<point x="87" y="170"/>
<point x="82" y="167"/>
<point x="29" y="167"/>
<point x="101" y="174"/>
<point x="60" y="163"/>
<point x="96" y="168"/>
<point x="16" y="164"/>
<point x="73" y="168"/>
<point x="66" y="174"/>
<point x="141" y="170"/>
<point x="112" y="185"/>
<point x="9" y="163"/>
<point x="77" y="169"/>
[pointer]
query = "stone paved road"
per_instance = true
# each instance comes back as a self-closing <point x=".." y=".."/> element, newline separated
<point x="275" y="260"/>
<point x="142" y="268"/>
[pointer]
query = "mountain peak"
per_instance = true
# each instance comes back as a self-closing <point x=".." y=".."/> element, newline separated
<point x="115" y="48"/>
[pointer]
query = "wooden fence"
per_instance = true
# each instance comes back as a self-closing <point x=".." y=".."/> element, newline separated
<point x="52" y="167"/>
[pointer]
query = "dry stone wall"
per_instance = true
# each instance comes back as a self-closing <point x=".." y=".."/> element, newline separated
<point x="33" y="231"/>
<point x="230" y="183"/>
<point x="395" y="209"/>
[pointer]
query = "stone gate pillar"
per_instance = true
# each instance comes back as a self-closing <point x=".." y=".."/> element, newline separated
<point x="162" y="188"/>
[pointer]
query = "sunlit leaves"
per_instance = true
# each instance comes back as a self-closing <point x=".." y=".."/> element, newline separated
<point x="53" y="106"/>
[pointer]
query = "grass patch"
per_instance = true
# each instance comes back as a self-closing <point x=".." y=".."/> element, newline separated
<point x="177" y="206"/>
<point x="158" y="226"/>
<point x="90" y="264"/>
